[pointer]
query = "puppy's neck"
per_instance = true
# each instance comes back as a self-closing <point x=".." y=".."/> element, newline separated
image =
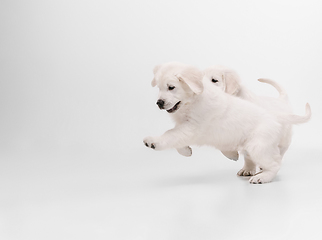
<point x="182" y="114"/>
<point x="187" y="111"/>
<point x="244" y="93"/>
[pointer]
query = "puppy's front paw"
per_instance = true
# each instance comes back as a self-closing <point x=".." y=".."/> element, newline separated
<point x="151" y="142"/>
<point x="185" y="151"/>
<point x="232" y="155"/>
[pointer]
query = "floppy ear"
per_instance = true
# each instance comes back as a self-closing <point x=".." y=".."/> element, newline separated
<point x="155" y="70"/>
<point x="231" y="82"/>
<point x="193" y="78"/>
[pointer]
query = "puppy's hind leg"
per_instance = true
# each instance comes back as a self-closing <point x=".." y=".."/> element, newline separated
<point x="185" y="151"/>
<point x="269" y="163"/>
<point x="249" y="168"/>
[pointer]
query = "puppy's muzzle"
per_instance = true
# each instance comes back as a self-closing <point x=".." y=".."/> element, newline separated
<point x="160" y="103"/>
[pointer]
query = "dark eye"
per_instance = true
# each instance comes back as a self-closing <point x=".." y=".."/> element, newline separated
<point x="171" y="87"/>
<point x="214" y="80"/>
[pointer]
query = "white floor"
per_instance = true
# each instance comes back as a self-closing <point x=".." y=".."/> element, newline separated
<point x="143" y="194"/>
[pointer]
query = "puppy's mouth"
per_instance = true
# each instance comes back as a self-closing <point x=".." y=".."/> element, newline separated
<point x="174" y="108"/>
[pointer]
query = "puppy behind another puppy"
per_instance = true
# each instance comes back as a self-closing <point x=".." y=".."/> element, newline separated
<point x="206" y="115"/>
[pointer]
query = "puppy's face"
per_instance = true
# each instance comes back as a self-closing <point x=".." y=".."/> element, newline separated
<point x="226" y="79"/>
<point x="178" y="84"/>
<point x="172" y="93"/>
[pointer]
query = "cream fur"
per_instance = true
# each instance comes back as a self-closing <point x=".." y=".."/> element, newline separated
<point x="206" y="115"/>
<point x="279" y="107"/>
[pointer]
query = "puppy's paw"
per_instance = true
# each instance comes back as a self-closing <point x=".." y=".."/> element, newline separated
<point x="264" y="177"/>
<point x="151" y="142"/>
<point x="231" y="155"/>
<point x="185" y="151"/>
<point x="246" y="172"/>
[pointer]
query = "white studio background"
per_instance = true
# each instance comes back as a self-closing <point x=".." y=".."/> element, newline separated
<point x="75" y="82"/>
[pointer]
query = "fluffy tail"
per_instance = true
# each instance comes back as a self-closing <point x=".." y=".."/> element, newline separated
<point x="295" y="119"/>
<point x="281" y="91"/>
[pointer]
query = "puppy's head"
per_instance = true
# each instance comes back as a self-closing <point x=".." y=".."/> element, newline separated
<point x="224" y="78"/>
<point x="178" y="84"/>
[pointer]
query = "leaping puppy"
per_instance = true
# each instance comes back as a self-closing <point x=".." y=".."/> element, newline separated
<point x="206" y="115"/>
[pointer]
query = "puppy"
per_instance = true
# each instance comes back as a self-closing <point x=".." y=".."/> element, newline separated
<point x="205" y="115"/>
<point x="228" y="81"/>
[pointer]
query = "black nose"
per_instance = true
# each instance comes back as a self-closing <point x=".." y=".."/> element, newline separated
<point x="160" y="103"/>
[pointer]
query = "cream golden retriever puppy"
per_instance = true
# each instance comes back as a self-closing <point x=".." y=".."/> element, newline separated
<point x="206" y="115"/>
<point x="229" y="82"/>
